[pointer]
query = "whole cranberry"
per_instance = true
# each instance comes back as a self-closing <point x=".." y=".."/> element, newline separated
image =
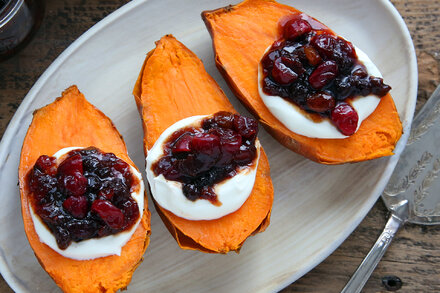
<point x="47" y="165"/>
<point x="283" y="74"/>
<point x="206" y="143"/>
<point x="71" y="165"/>
<point x="295" y="28"/>
<point x="325" y="43"/>
<point x="345" y="118"/>
<point x="246" y="127"/>
<point x="320" y="102"/>
<point x="130" y="209"/>
<point x="323" y="74"/>
<point x="378" y="87"/>
<point x="346" y="48"/>
<point x="245" y="155"/>
<point x="225" y="119"/>
<point x="183" y="144"/>
<point x="294" y="64"/>
<point x="76" y="206"/>
<point x="110" y="214"/>
<point x="270" y="58"/>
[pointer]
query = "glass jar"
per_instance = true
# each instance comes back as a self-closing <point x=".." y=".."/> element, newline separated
<point x="19" y="20"/>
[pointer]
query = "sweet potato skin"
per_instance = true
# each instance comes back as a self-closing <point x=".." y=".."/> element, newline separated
<point x="193" y="92"/>
<point x="377" y="135"/>
<point x="72" y="121"/>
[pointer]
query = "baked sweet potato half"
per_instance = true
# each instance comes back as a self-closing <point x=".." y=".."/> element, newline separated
<point x="241" y="34"/>
<point x="173" y="85"/>
<point x="72" y="121"/>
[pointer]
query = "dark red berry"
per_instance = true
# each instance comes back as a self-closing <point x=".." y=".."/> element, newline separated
<point x="378" y="87"/>
<point x="230" y="144"/>
<point x="110" y="214"/>
<point x="268" y="59"/>
<point x="295" y="28"/>
<point x="274" y="89"/>
<point x="73" y="184"/>
<point x="130" y="209"/>
<point x="325" y="44"/>
<point x="225" y="119"/>
<point x="183" y="144"/>
<point x="345" y="118"/>
<point x="77" y="206"/>
<point x="323" y="74"/>
<point x="71" y="165"/>
<point x="122" y="167"/>
<point x="206" y="143"/>
<point x="166" y="167"/>
<point x="47" y="165"/>
<point x="294" y="64"/>
<point x="346" y="48"/>
<point x="246" y="127"/>
<point x="320" y="102"/>
<point x="282" y="74"/>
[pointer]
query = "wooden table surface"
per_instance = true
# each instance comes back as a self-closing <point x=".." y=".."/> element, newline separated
<point x="414" y="255"/>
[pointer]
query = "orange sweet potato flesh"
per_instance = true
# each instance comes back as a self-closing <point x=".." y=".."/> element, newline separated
<point x="72" y="121"/>
<point x="173" y="85"/>
<point x="241" y="34"/>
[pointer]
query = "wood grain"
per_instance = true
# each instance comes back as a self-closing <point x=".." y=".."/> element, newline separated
<point x="413" y="256"/>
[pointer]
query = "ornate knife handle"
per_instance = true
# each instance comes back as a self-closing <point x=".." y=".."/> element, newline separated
<point x="370" y="262"/>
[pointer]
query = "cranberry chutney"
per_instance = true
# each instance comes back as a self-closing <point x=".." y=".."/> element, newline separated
<point x="87" y="195"/>
<point x="201" y="157"/>
<point x="319" y="72"/>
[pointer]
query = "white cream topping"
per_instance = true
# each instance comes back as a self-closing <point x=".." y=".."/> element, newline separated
<point x="232" y="192"/>
<point x="95" y="247"/>
<point x="293" y="116"/>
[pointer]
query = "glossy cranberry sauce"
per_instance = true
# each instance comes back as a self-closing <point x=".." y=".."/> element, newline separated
<point x="202" y="157"/>
<point x="88" y="195"/>
<point x="318" y="71"/>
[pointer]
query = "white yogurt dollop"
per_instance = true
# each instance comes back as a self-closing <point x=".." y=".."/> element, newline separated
<point x="231" y="193"/>
<point x="95" y="247"/>
<point x="293" y="116"/>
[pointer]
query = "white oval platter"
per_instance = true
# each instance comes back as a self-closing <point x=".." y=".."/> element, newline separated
<point x="315" y="208"/>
